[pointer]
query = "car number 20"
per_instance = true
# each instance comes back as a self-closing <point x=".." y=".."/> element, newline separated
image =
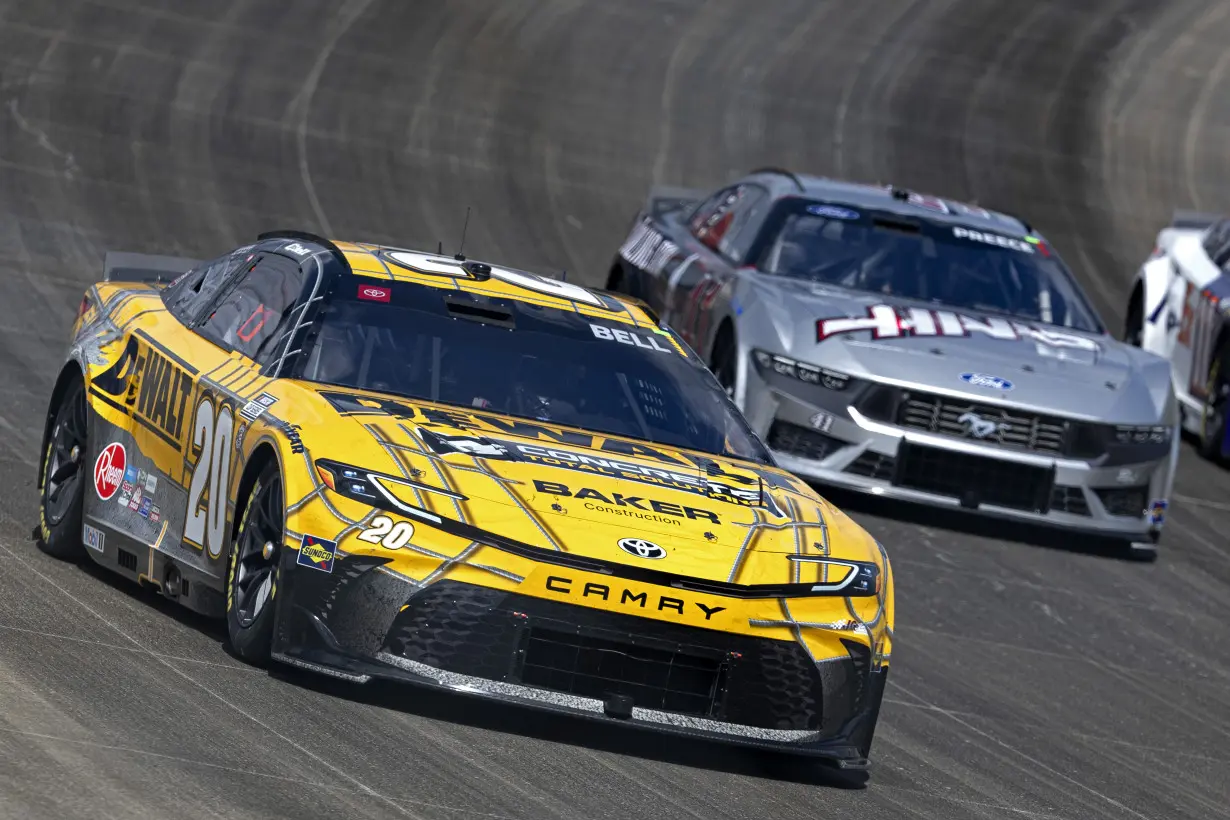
<point x="387" y="533"/>
<point x="213" y="433"/>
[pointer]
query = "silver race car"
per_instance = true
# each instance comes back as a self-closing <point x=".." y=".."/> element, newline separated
<point x="912" y="347"/>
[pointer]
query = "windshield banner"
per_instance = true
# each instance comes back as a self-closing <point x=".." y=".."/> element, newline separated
<point x="889" y="322"/>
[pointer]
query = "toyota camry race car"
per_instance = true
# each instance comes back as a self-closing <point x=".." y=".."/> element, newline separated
<point x="1180" y="309"/>
<point x="912" y="347"/>
<point x="380" y="463"/>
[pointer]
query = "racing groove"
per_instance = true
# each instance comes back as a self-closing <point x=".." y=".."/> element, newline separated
<point x="1030" y="680"/>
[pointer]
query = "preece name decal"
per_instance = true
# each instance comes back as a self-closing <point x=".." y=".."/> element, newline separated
<point x="888" y="322"/>
<point x="626" y="597"/>
<point x="628" y="502"/>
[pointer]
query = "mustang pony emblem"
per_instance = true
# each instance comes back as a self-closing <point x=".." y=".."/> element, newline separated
<point x="978" y="427"/>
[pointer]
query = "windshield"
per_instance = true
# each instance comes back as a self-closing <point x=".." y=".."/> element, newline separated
<point x="512" y="357"/>
<point x="934" y="262"/>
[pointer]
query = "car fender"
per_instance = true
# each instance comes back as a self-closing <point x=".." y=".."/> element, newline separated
<point x="1154" y="278"/>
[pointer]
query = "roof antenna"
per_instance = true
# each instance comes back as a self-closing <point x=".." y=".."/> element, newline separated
<point x="464" y="227"/>
<point x="439" y="248"/>
<point x="563" y="275"/>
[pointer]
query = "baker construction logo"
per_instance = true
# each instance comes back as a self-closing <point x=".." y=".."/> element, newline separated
<point x="317" y="553"/>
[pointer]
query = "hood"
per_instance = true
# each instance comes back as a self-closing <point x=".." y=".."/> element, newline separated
<point x="961" y="352"/>
<point x="564" y="489"/>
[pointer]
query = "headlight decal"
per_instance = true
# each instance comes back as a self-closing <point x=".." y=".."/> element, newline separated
<point x="1143" y="434"/>
<point x="806" y="373"/>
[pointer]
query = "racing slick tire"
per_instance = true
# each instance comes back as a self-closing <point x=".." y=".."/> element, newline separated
<point x="252" y="573"/>
<point x="1213" y="414"/>
<point x="61" y="479"/>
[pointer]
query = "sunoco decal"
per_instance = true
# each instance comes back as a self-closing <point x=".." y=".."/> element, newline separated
<point x="317" y="553"/>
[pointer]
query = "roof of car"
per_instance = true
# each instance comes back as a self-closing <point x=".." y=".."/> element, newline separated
<point x="782" y="183"/>
<point x="381" y="262"/>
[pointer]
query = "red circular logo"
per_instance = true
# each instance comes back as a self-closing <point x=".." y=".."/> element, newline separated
<point x="109" y="470"/>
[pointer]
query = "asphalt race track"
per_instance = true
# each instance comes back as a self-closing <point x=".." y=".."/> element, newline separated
<point x="1033" y="678"/>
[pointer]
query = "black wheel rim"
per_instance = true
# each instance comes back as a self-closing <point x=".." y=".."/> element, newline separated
<point x="68" y="448"/>
<point x="256" y="559"/>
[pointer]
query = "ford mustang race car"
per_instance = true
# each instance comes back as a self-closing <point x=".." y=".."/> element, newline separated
<point x="380" y="463"/>
<point x="1180" y="309"/>
<point x="912" y="347"/>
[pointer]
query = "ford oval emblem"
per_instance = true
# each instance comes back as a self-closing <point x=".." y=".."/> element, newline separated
<point x="984" y="380"/>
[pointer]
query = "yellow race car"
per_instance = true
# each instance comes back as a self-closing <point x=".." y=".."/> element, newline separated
<point x="381" y="463"/>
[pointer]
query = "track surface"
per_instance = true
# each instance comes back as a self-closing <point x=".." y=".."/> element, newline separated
<point x="1029" y="681"/>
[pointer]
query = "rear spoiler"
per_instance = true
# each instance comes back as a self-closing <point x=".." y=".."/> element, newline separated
<point x="663" y="199"/>
<point x="144" y="267"/>
<point x="1193" y="220"/>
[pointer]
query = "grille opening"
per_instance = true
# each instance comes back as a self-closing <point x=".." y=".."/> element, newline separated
<point x="1019" y="429"/>
<point x="126" y="560"/>
<point x="873" y="465"/>
<point x="802" y="442"/>
<point x="879" y="403"/>
<point x="599" y="667"/>
<point x="1128" y="502"/>
<point x="1069" y="500"/>
<point x="975" y="480"/>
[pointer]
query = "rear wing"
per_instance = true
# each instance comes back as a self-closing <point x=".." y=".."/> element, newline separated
<point x="1193" y="220"/>
<point x="664" y="199"/>
<point x="144" y="267"/>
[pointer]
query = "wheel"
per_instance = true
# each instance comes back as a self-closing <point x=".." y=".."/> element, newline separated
<point x="722" y="362"/>
<point x="1213" y="414"/>
<point x="252" y="579"/>
<point x="61" y="479"/>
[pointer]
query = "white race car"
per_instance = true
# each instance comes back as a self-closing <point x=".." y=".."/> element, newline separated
<point x="1180" y="309"/>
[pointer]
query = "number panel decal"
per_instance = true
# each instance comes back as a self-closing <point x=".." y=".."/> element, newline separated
<point x="202" y="438"/>
<point x="424" y="263"/>
<point x="205" y="523"/>
<point x="387" y="533"/>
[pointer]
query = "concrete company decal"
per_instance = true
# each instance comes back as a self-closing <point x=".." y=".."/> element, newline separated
<point x="374" y="293"/>
<point x="317" y="553"/>
<point x="634" y="506"/>
<point x="109" y="470"/>
<point x="888" y="322"/>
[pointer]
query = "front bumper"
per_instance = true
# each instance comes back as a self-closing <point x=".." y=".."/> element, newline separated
<point x="362" y="622"/>
<point x="855" y="452"/>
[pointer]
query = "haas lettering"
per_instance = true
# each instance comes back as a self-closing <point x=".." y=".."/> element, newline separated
<point x="888" y="322"/>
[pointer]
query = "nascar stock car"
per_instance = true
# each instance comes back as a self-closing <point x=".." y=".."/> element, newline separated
<point x="380" y="463"/>
<point x="913" y="347"/>
<point x="1180" y="309"/>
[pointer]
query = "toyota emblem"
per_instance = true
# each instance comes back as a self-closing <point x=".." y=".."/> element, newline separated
<point x="641" y="548"/>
